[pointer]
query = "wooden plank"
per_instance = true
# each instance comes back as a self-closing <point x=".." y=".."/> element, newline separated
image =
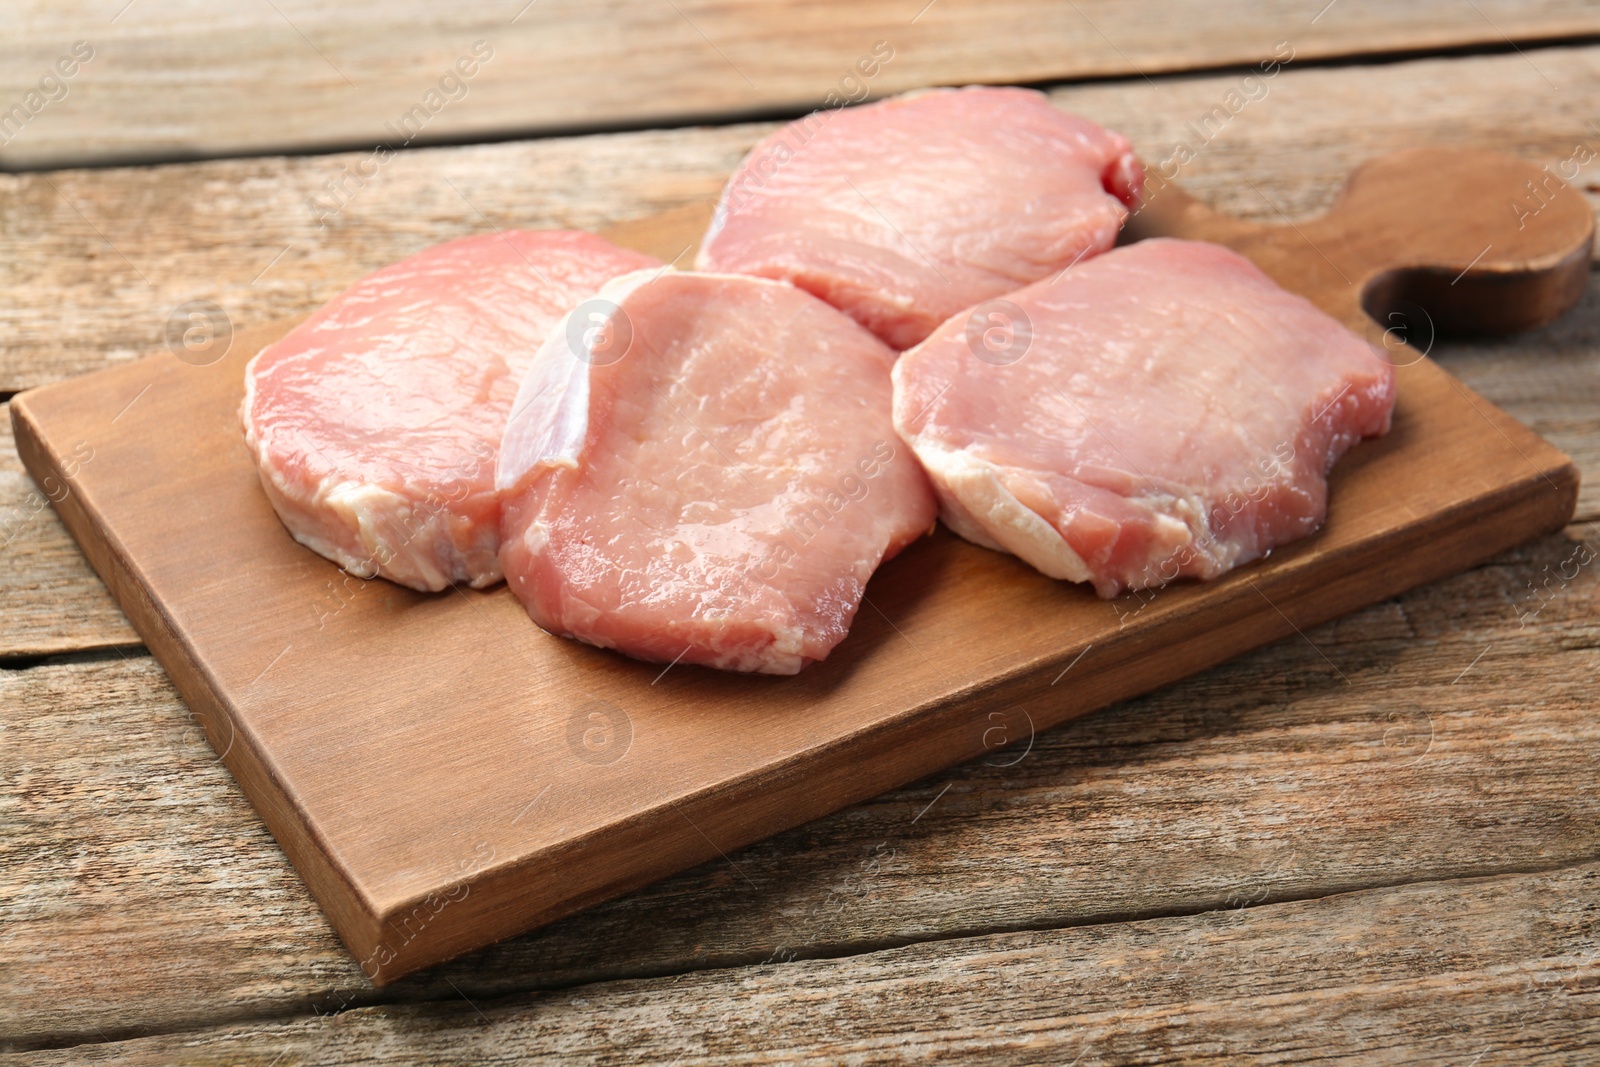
<point x="1493" y="970"/>
<point x="413" y="868"/>
<point x="809" y="883"/>
<point x="185" y="79"/>
<point x="1422" y="235"/>
<point x="1548" y="379"/>
<point x="241" y="233"/>
<point x="74" y="305"/>
<point x="145" y="895"/>
<point x="53" y="602"/>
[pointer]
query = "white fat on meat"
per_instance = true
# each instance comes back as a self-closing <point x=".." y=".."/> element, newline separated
<point x="1162" y="411"/>
<point x="703" y="469"/>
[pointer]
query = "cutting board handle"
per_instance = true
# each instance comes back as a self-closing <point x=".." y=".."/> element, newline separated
<point x="1470" y="240"/>
<point x="1417" y="243"/>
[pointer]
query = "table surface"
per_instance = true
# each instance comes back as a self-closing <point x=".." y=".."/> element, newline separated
<point x="1378" y="842"/>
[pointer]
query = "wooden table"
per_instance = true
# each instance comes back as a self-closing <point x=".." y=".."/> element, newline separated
<point x="1379" y="843"/>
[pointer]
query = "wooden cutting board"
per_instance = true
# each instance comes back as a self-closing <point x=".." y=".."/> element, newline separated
<point x="444" y="774"/>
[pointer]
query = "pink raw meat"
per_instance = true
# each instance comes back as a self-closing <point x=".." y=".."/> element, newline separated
<point x="1163" y="410"/>
<point x="375" y="423"/>
<point x="702" y="469"/>
<point x="902" y="213"/>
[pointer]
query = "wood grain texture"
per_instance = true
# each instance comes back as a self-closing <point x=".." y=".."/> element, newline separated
<point x="183" y="78"/>
<point x="1501" y="970"/>
<point x="240" y="232"/>
<point x="393" y="758"/>
<point x="53" y="601"/>
<point x="1165" y="768"/>
<point x="1548" y="379"/>
<point x="1461" y="744"/>
<point x="1419" y="241"/>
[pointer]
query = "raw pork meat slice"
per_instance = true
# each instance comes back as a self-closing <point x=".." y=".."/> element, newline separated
<point x="375" y="422"/>
<point x="703" y="469"/>
<point x="1164" y="410"/>
<point x="903" y="212"/>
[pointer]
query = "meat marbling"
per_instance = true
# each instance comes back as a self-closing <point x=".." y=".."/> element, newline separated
<point x="375" y="423"/>
<point x="903" y="212"/>
<point x="702" y="469"/>
<point x="1163" y="410"/>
